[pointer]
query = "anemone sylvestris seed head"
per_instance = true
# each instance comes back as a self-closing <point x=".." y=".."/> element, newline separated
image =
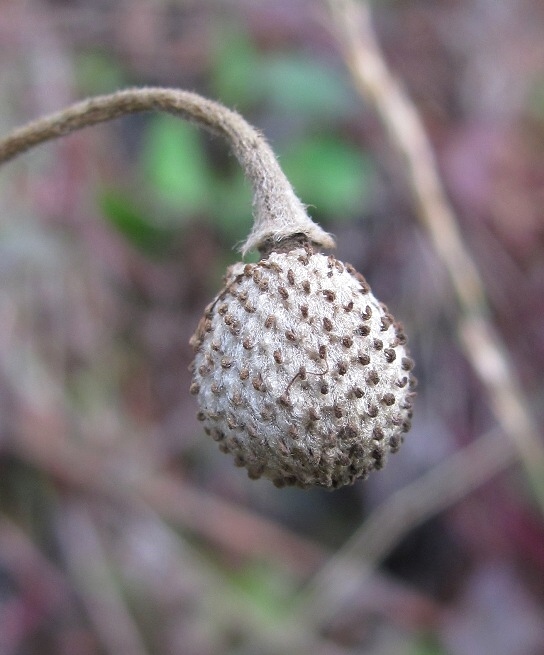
<point x="318" y="386"/>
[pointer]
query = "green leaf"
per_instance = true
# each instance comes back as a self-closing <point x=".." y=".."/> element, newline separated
<point x="232" y="204"/>
<point x="328" y="174"/>
<point x="288" y="83"/>
<point x="175" y="166"/>
<point x="536" y="98"/>
<point x="267" y="588"/>
<point x="235" y="76"/>
<point x="132" y="223"/>
<point x="426" y="644"/>
<point x="295" y="84"/>
<point x="96" y="72"/>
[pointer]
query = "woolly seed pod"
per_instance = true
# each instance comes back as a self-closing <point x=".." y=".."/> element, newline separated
<point x="300" y="373"/>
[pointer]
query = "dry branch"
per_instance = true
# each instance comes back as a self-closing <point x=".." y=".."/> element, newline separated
<point x="482" y="345"/>
<point x="439" y="488"/>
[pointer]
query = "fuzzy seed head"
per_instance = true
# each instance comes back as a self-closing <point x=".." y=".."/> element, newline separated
<point x="300" y="373"/>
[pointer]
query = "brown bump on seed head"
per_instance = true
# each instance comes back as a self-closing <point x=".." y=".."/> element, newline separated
<point x="358" y="392"/>
<point x="327" y="324"/>
<point x="285" y="401"/>
<point x="367" y="314"/>
<point x="396" y="420"/>
<point x="390" y="354"/>
<point x="258" y="383"/>
<point x="384" y="323"/>
<point x="363" y="359"/>
<point x="347" y="342"/>
<point x="283" y="292"/>
<point x="293" y="432"/>
<point x="372" y="411"/>
<point x="407" y="363"/>
<point x="394" y="443"/>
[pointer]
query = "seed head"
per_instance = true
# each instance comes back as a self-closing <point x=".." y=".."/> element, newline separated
<point x="313" y="386"/>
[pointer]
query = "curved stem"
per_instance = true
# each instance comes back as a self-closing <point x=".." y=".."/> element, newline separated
<point x="278" y="213"/>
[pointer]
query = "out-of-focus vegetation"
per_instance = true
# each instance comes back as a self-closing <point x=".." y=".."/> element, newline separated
<point x="122" y="528"/>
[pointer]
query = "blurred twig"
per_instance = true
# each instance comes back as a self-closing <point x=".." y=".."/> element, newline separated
<point x="400" y="513"/>
<point x="95" y="581"/>
<point x="122" y="478"/>
<point x="127" y="486"/>
<point x="483" y="346"/>
<point x="43" y="591"/>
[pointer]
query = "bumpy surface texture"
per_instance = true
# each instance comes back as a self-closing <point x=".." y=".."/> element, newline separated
<point x="301" y="373"/>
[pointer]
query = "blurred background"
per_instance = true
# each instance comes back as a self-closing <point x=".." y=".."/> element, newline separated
<point x="123" y="530"/>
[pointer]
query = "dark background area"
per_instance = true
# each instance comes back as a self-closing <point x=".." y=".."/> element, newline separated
<point x="122" y="528"/>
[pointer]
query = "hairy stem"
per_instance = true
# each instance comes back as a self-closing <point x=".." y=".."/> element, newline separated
<point x="278" y="213"/>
